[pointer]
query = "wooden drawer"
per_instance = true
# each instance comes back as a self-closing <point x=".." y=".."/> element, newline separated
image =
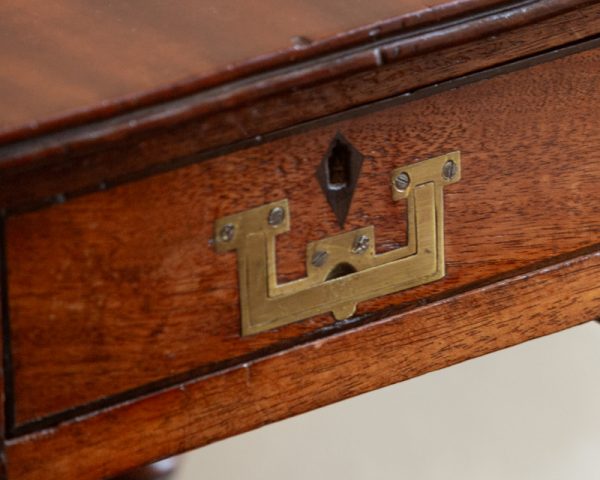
<point x="121" y="292"/>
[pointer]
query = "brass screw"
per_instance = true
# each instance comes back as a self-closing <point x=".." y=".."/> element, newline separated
<point x="449" y="170"/>
<point x="227" y="232"/>
<point x="319" y="258"/>
<point x="360" y="244"/>
<point x="402" y="181"/>
<point x="276" y="216"/>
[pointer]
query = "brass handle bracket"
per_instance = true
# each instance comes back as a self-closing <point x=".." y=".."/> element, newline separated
<point x="344" y="269"/>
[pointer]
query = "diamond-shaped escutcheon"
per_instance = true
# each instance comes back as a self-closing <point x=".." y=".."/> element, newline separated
<point x="338" y="175"/>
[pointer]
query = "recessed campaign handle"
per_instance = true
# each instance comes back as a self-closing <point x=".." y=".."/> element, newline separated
<point x="344" y="269"/>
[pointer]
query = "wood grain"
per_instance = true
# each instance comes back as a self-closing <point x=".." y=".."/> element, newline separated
<point x="340" y="366"/>
<point x="4" y="326"/>
<point x="115" y="290"/>
<point x="66" y="56"/>
<point x="105" y="152"/>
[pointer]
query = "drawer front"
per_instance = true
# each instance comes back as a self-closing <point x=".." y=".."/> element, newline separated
<point x="123" y="292"/>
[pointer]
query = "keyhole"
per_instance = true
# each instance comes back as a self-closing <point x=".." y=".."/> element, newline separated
<point x="338" y="166"/>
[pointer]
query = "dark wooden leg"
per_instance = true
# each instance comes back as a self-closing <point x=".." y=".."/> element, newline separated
<point x="163" y="470"/>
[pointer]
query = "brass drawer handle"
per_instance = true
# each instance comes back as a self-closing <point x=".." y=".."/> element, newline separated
<point x="344" y="269"/>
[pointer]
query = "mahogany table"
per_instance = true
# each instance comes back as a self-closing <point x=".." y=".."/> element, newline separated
<point x="217" y="215"/>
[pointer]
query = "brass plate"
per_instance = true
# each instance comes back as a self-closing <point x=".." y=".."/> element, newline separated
<point x="265" y="304"/>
